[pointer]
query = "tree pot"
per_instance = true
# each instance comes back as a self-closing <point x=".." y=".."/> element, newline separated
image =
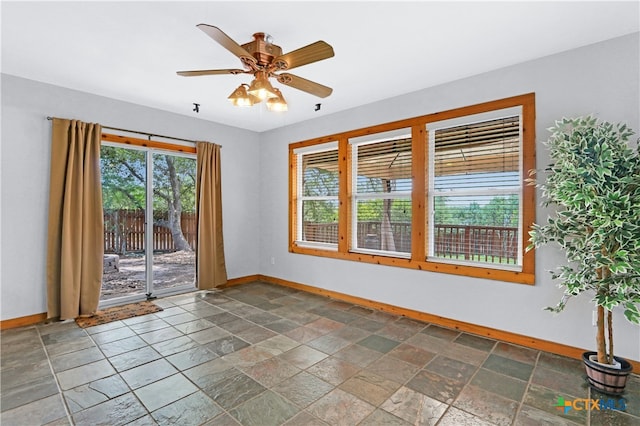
<point x="606" y="378"/>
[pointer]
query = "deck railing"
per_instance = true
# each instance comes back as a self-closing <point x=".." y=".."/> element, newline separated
<point x="493" y="244"/>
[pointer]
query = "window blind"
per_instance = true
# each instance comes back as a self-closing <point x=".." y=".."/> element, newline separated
<point x="475" y="192"/>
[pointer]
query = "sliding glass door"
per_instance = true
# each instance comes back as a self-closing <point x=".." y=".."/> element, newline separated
<point x="174" y="222"/>
<point x="149" y="222"/>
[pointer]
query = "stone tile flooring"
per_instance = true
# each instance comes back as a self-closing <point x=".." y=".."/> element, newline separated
<point x="260" y="354"/>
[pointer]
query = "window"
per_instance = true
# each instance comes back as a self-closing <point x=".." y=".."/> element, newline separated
<point x="317" y="196"/>
<point x="475" y="190"/>
<point x="382" y="194"/>
<point x="444" y="192"/>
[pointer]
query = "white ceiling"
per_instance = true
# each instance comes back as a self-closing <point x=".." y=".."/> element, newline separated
<point x="132" y="50"/>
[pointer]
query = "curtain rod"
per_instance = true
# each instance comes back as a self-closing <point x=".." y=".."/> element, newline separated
<point x="141" y="133"/>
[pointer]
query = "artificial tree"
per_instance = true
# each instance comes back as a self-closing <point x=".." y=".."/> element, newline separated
<point x="594" y="184"/>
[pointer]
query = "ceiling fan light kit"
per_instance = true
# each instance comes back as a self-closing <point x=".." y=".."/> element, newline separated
<point x="261" y="88"/>
<point x="277" y="104"/>
<point x="263" y="59"/>
<point x="241" y="98"/>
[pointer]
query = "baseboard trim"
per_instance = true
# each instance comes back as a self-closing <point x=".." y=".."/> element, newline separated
<point x="23" y="321"/>
<point x="240" y="280"/>
<point x="505" y="336"/>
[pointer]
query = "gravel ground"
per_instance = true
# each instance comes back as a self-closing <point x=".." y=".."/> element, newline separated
<point x="169" y="270"/>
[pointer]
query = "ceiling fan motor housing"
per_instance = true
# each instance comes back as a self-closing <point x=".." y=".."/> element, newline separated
<point x="262" y="50"/>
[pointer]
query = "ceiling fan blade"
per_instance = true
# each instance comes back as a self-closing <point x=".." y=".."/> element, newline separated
<point x="304" y="85"/>
<point x="305" y="55"/>
<point x="209" y="72"/>
<point x="226" y="42"/>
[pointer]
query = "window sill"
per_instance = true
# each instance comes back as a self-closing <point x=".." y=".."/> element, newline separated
<point x="471" y="264"/>
<point x="316" y="246"/>
<point x="384" y="253"/>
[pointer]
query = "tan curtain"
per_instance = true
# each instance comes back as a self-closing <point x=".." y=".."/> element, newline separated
<point x="210" y="266"/>
<point x="75" y="237"/>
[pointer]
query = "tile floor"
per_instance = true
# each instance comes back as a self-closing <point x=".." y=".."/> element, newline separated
<point x="260" y="354"/>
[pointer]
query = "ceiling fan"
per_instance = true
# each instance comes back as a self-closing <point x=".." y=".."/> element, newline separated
<point x="264" y="60"/>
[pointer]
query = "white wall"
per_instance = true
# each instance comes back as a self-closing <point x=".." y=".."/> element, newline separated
<point x="26" y="139"/>
<point x="601" y="79"/>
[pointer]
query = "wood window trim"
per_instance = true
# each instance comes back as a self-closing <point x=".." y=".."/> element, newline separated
<point x="420" y="157"/>
<point x="167" y="146"/>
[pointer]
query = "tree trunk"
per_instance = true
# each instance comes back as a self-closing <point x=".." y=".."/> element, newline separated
<point x="175" y="208"/>
<point x="610" y="336"/>
<point x="386" y="233"/>
<point x="600" y="337"/>
<point x="122" y="233"/>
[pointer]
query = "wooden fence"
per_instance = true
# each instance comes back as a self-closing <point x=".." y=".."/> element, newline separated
<point x="493" y="244"/>
<point x="124" y="232"/>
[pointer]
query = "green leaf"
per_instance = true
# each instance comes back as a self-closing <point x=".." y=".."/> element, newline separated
<point x="631" y="313"/>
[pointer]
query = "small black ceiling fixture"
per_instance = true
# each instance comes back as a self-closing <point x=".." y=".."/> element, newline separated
<point x="196" y="107"/>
